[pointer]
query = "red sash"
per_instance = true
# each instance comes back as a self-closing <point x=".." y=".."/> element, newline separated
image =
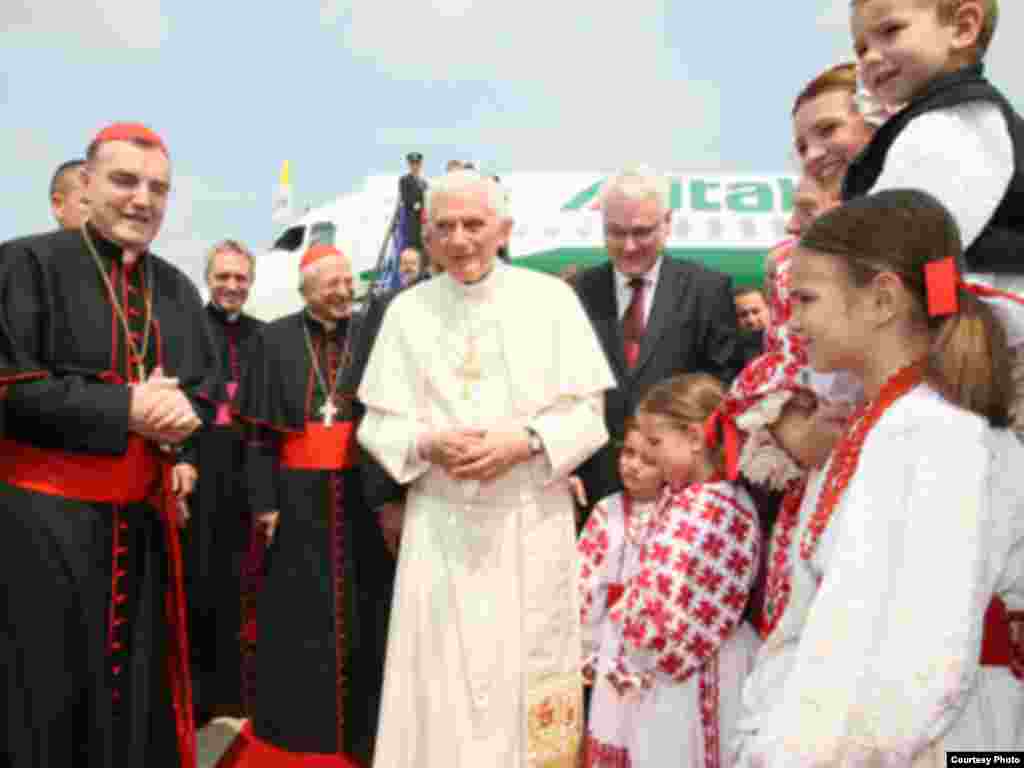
<point x="123" y="479"/>
<point x="141" y="474"/>
<point x="319" y="447"/>
<point x="998" y="648"/>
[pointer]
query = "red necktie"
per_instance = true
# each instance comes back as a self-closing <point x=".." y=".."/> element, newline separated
<point x="633" y="325"/>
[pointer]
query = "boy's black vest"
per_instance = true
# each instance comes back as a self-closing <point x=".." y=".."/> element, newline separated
<point x="1000" y="246"/>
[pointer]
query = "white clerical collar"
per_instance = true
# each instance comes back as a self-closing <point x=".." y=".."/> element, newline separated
<point x="228" y="317"/>
<point x="483" y="289"/>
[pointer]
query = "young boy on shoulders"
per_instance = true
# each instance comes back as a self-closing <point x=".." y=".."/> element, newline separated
<point x="954" y="135"/>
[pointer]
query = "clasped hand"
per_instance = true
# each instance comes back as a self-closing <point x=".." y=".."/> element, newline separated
<point x="160" y="411"/>
<point x="476" y="454"/>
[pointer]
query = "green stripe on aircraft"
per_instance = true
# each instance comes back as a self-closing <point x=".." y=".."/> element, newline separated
<point x="711" y="196"/>
<point x="745" y="266"/>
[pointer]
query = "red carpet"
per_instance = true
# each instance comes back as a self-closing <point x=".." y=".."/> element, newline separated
<point x="247" y="751"/>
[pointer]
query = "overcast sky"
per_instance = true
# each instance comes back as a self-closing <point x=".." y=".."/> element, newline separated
<point x="344" y="88"/>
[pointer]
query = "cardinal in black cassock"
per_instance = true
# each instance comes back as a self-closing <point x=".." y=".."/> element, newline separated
<point x="9" y="374"/>
<point x="218" y="534"/>
<point x="93" y="650"/>
<point x="319" y="642"/>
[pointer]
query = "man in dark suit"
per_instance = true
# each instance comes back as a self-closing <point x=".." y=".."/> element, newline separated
<point x="655" y="316"/>
<point x="752" y="317"/>
<point x="410" y="191"/>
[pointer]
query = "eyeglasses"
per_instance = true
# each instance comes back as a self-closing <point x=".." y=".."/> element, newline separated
<point x="638" y="234"/>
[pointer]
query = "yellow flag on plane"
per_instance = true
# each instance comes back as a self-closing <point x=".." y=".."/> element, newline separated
<point x="282" y="206"/>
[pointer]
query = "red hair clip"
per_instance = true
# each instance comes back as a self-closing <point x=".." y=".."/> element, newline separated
<point x="730" y="437"/>
<point x="941" y="282"/>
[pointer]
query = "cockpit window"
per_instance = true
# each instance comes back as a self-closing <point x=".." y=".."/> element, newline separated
<point x="322" y="233"/>
<point x="290" y="239"/>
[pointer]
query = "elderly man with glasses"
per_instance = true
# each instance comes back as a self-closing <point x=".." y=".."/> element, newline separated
<point x="655" y="316"/>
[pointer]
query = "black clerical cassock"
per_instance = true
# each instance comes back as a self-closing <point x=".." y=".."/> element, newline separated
<point x="218" y="533"/>
<point x="316" y="693"/>
<point x="93" y="653"/>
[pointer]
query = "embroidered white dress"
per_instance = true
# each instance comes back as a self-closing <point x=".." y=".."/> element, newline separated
<point x="685" y="570"/>
<point x="876" y="658"/>
<point x="484" y="642"/>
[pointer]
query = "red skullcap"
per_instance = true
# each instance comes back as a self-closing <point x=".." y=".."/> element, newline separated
<point x="130" y="132"/>
<point x="317" y="252"/>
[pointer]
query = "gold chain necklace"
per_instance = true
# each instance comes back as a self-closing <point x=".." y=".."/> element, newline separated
<point x="470" y="370"/>
<point x="328" y="410"/>
<point x="140" y="365"/>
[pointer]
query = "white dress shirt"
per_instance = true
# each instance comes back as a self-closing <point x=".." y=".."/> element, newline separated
<point x="624" y="292"/>
<point x="962" y="155"/>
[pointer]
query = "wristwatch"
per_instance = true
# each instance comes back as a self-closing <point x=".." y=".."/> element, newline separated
<point x="536" y="444"/>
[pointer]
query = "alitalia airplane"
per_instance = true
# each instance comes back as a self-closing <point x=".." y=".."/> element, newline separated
<point x="726" y="221"/>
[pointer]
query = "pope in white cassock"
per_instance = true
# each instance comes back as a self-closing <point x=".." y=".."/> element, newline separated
<point x="483" y="392"/>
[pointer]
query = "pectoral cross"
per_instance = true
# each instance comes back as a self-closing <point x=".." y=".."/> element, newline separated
<point x="328" y="411"/>
<point x="470" y="371"/>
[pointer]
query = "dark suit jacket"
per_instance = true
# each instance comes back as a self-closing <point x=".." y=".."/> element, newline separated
<point x="751" y="344"/>
<point x="411" y="190"/>
<point x="691" y="329"/>
<point x="378" y="487"/>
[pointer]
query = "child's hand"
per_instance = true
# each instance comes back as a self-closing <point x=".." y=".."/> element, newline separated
<point x="624" y="686"/>
<point x="589" y="670"/>
<point x="626" y="682"/>
<point x="807" y="430"/>
<point x="579" y="493"/>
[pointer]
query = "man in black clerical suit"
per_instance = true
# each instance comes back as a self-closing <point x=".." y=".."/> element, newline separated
<point x="655" y="316"/>
<point x="319" y="615"/>
<point x="218" y="533"/>
<point x="93" y="652"/>
<point x="411" y="188"/>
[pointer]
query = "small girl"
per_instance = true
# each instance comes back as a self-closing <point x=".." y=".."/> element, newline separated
<point x="664" y="595"/>
<point x="777" y="432"/>
<point x="910" y="573"/>
<point x="609" y="549"/>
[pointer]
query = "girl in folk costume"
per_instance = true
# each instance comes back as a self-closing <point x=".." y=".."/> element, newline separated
<point x="787" y="413"/>
<point x="777" y="432"/>
<point x="672" y="651"/>
<point x="910" y="576"/>
<point x="833" y="119"/>
<point x="778" y="424"/>
<point x="831" y="123"/>
<point x="609" y="549"/>
<point x="786" y="417"/>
